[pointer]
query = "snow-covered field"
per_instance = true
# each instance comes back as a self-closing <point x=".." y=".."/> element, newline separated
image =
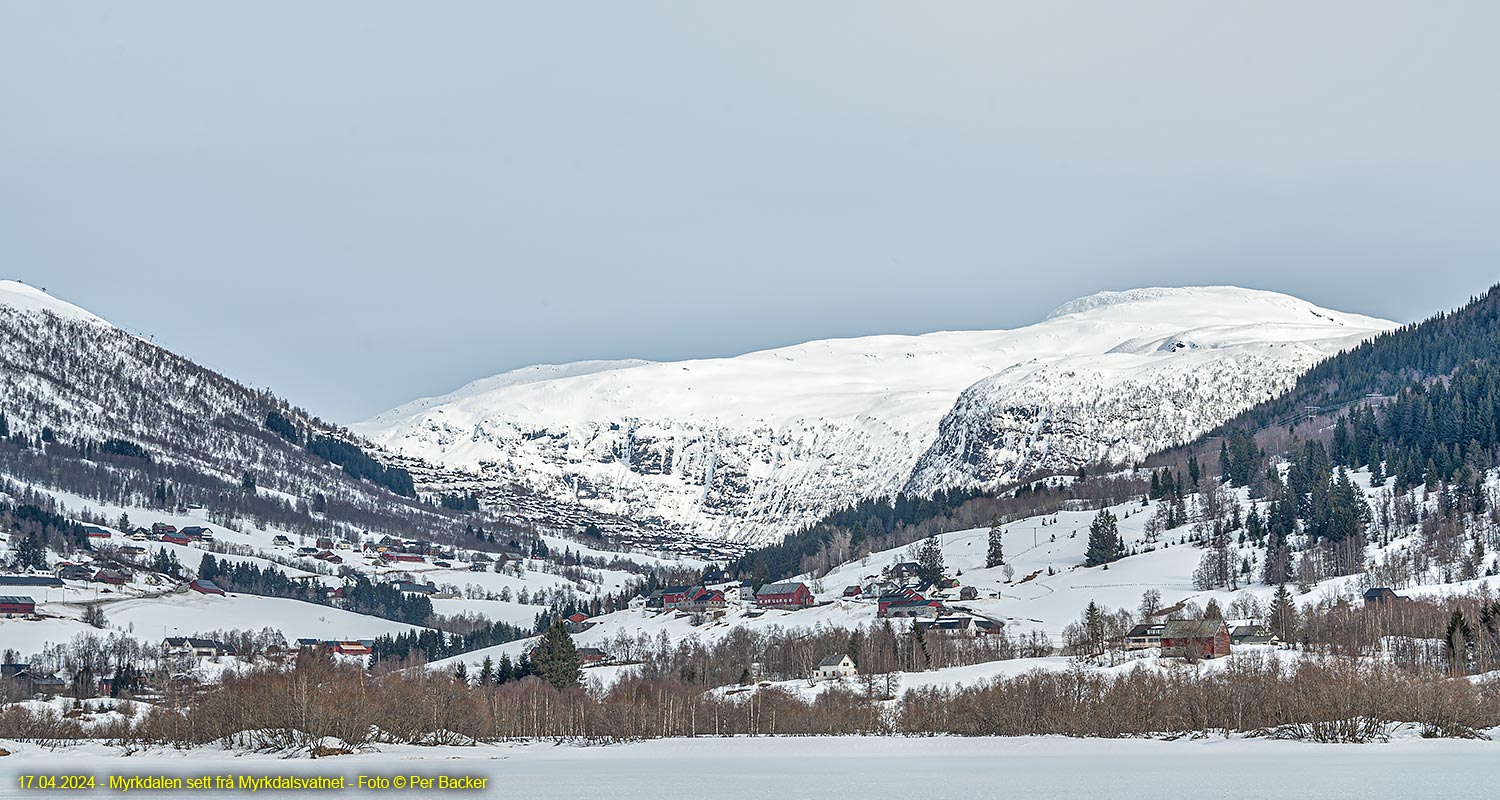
<point x="1035" y="768"/>
<point x="748" y="447"/>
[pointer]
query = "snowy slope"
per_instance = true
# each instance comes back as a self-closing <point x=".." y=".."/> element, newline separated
<point x="21" y="297"/>
<point x="746" y="448"/>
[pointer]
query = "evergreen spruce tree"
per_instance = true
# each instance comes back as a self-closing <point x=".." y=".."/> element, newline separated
<point x="556" y="658"/>
<point x="1458" y="643"/>
<point x="930" y="560"/>
<point x="1094" y="627"/>
<point x="1283" y="614"/>
<point x="921" y="658"/>
<point x="996" y="555"/>
<point x="486" y="674"/>
<point x="4" y="426"/>
<point x="1104" y="540"/>
<point x="30" y="553"/>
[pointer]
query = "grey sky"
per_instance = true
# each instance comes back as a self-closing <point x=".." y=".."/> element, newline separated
<point x="360" y="203"/>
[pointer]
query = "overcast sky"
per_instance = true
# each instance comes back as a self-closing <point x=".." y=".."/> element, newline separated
<point x="361" y="203"/>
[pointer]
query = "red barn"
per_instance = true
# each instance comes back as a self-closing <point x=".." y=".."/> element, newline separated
<point x="112" y="577"/>
<point x="202" y="586"/>
<point x="789" y="594"/>
<point x="16" y="606"/>
<point x="176" y="538"/>
<point x="1195" y="638"/>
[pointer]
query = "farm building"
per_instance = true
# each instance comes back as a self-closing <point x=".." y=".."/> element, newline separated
<point x="1195" y="638"/>
<point x="31" y="580"/>
<point x="202" y="586"/>
<point x="16" y="606"/>
<point x="788" y="594"/>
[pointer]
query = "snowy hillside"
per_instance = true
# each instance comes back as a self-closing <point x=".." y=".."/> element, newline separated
<point x="92" y="395"/>
<point x="747" y="448"/>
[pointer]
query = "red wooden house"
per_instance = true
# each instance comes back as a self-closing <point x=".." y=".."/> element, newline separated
<point x="112" y="577"/>
<point x="788" y="594"/>
<point x="1195" y="638"/>
<point x="675" y="596"/>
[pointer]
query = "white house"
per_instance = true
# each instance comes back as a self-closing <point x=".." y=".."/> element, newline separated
<point x="835" y="668"/>
<point x="639" y="601"/>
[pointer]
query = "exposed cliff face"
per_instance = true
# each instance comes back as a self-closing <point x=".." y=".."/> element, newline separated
<point x="748" y="448"/>
<point x="1057" y="418"/>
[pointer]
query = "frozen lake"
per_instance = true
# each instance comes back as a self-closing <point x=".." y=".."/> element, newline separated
<point x="936" y="768"/>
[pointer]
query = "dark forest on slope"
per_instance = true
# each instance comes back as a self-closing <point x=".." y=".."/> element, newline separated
<point x="1418" y="405"/>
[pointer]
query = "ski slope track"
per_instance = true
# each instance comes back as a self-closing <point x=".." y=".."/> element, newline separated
<point x="749" y="448"/>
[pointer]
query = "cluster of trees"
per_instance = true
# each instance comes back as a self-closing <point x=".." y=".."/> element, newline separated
<point x="34" y="527"/>
<point x="360" y="594"/>
<point x="777" y="653"/>
<point x="1432" y="431"/>
<point x="358" y="464"/>
<point x="468" y="501"/>
<point x="282" y="426"/>
<point x="886" y="523"/>
<point x="435" y="645"/>
<point x="1329" y="700"/>
<point x="1390" y="363"/>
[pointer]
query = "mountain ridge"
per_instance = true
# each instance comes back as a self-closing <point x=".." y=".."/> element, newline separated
<point x="749" y="446"/>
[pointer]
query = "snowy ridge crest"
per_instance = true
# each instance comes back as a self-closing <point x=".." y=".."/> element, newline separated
<point x="751" y="447"/>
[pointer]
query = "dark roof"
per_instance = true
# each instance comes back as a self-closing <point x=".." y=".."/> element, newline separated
<point x="948" y="624"/>
<point x="1192" y="628"/>
<point x="832" y="661"/>
<point x="30" y="580"/>
<point x="16" y="598"/>
<point x="1145" y="629"/>
<point x="191" y="641"/>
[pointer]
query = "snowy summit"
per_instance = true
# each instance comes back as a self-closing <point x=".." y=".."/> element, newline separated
<point x="748" y="447"/>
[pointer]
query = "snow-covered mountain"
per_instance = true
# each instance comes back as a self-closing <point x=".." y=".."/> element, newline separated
<point x="91" y="393"/>
<point x="748" y="448"/>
